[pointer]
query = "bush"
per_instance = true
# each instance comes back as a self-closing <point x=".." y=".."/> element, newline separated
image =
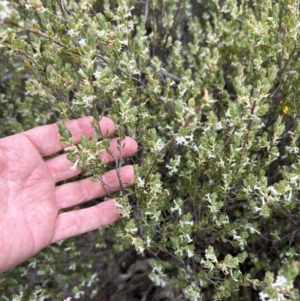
<point x="210" y="91"/>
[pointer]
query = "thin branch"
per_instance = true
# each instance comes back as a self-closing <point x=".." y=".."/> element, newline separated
<point x="173" y="25"/>
<point x="249" y="127"/>
<point x="174" y="77"/>
<point x="146" y="10"/>
<point x="122" y="71"/>
<point x="281" y="72"/>
<point x="64" y="9"/>
<point x="105" y="184"/>
<point x="118" y="164"/>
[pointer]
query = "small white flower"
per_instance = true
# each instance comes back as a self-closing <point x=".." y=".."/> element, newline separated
<point x="190" y="137"/>
<point x="81" y="72"/>
<point x="219" y="125"/>
<point x="124" y="42"/>
<point x="128" y="14"/>
<point x="71" y="32"/>
<point x="140" y="182"/>
<point x="263" y="296"/>
<point x="120" y="26"/>
<point x="28" y="6"/>
<point x="176" y="208"/>
<point x="257" y="209"/>
<point x="79" y="294"/>
<point x="3" y="15"/>
<point x="189" y="223"/>
<point x="292" y="150"/>
<point x="82" y="42"/>
<point x="273" y="190"/>
<point x="195" y="148"/>
<point x="5" y="10"/>
<point x="131" y="25"/>
<point x="189" y="239"/>
<point x="289" y="196"/>
<point x="294" y="179"/>
<point x="101" y="33"/>
<point x="252" y="229"/>
<point x="206" y="129"/>
<point x="190" y="253"/>
<point x="261" y="125"/>
<point x="173" y="169"/>
<point x="181" y="140"/>
<point x="91" y="157"/>
<point x="72" y="267"/>
<point x="32" y="264"/>
<point x="280" y="281"/>
<point x="97" y="74"/>
<point x="74" y="167"/>
<point x="235" y="236"/>
<point x="181" y="93"/>
<point x="87" y="99"/>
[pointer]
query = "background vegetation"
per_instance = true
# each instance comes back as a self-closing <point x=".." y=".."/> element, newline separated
<point x="210" y="90"/>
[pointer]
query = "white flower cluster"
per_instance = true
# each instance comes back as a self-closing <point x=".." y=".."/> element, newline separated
<point x="140" y="182"/>
<point x="280" y="283"/>
<point x="72" y="32"/>
<point x="5" y="10"/>
<point x="173" y="166"/>
<point x="292" y="150"/>
<point x="184" y="140"/>
<point x="86" y="100"/>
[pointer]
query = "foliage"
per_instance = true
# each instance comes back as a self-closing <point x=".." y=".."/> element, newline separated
<point x="209" y="89"/>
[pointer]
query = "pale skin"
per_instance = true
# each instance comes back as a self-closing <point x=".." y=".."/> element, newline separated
<point x="30" y="200"/>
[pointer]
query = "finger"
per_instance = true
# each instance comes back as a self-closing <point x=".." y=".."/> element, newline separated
<point x="60" y="166"/>
<point x="46" y="138"/>
<point x="76" y="222"/>
<point x="78" y="192"/>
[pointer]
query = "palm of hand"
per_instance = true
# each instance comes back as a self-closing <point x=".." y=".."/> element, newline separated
<point x="28" y="203"/>
<point x="30" y="200"/>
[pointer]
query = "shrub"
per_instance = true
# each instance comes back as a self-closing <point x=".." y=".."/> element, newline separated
<point x="210" y="90"/>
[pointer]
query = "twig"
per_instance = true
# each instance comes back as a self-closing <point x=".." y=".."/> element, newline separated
<point x="165" y="73"/>
<point x="118" y="164"/>
<point x="118" y="167"/>
<point x="156" y="158"/>
<point x="249" y="127"/>
<point x="104" y="183"/>
<point x="146" y="10"/>
<point x="280" y="73"/>
<point x="64" y="9"/>
<point x="173" y="25"/>
<point x="122" y="71"/>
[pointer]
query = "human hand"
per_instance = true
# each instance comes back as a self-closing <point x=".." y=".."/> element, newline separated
<point x="30" y="200"/>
